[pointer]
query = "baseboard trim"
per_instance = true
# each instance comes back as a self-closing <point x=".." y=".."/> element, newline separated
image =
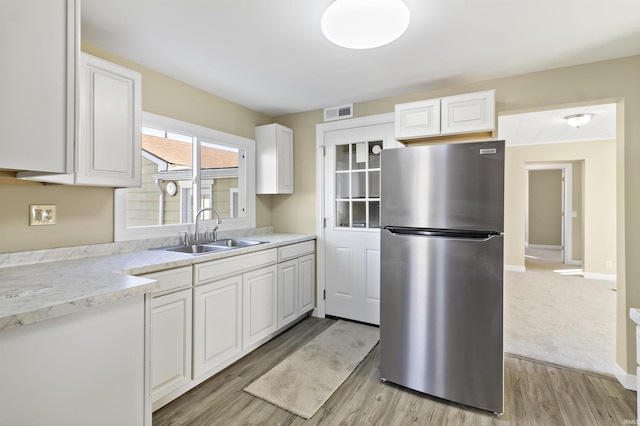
<point x="602" y="277"/>
<point x="514" y="268"/>
<point x="628" y="381"/>
<point x="544" y="246"/>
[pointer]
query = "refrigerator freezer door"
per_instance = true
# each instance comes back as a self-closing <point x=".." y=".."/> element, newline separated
<point x="452" y="186"/>
<point x="441" y="317"/>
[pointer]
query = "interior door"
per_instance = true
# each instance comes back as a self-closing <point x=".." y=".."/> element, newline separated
<point x="352" y="220"/>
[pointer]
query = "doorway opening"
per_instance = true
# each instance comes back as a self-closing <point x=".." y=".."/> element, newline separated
<point x="553" y="217"/>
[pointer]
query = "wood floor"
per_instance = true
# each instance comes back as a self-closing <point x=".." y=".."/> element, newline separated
<point x="535" y="394"/>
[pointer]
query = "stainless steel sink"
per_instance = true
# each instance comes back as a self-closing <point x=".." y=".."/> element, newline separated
<point x="211" y="247"/>
<point x="234" y="243"/>
<point x="195" y="249"/>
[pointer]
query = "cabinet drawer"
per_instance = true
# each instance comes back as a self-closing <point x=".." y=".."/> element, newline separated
<point x="171" y="279"/>
<point x="295" y="250"/>
<point x="216" y="269"/>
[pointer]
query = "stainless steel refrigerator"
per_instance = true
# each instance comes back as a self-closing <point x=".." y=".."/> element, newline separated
<point x="441" y="271"/>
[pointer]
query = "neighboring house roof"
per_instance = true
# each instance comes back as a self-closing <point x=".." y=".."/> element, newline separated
<point x="178" y="153"/>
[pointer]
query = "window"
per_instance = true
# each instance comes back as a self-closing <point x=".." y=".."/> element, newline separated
<point x="186" y="167"/>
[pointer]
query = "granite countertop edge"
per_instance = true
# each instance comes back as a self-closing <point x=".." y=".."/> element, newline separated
<point x="634" y="314"/>
<point x="41" y="291"/>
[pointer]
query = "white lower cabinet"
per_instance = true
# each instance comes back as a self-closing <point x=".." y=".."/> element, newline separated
<point x="171" y="333"/>
<point x="208" y="316"/>
<point x="217" y="323"/>
<point x="287" y="292"/>
<point x="170" y="343"/>
<point x="306" y="283"/>
<point x="260" y="319"/>
<point x="296" y="281"/>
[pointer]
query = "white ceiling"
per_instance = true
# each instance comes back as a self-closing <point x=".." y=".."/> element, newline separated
<point x="550" y="126"/>
<point x="271" y="56"/>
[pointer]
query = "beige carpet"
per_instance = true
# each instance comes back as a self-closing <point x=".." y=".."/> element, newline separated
<point x="305" y="380"/>
<point x="561" y="319"/>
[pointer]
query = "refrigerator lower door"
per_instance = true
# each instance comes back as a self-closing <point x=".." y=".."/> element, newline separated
<point x="441" y="317"/>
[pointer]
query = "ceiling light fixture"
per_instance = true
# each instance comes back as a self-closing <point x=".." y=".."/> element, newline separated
<point x="364" y="24"/>
<point x="577" y="120"/>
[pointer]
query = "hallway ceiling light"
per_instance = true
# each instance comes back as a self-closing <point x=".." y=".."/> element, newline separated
<point x="577" y="120"/>
<point x="364" y="24"/>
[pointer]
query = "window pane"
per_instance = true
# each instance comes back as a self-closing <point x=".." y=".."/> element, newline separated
<point x="219" y="166"/>
<point x="158" y="200"/>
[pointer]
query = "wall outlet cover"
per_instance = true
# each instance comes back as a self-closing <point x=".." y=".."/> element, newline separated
<point x="42" y="214"/>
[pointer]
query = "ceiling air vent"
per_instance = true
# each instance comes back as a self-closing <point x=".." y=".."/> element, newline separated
<point x="338" y="113"/>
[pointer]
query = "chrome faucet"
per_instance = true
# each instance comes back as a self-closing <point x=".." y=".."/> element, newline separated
<point x="215" y="230"/>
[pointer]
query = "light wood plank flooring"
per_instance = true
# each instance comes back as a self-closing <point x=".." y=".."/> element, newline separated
<point x="535" y="394"/>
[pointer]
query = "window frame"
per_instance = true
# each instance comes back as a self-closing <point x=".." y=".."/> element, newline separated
<point x="247" y="183"/>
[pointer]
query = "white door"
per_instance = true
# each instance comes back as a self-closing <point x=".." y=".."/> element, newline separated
<point x="352" y="220"/>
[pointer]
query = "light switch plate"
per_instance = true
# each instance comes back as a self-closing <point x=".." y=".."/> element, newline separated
<point x="42" y="214"/>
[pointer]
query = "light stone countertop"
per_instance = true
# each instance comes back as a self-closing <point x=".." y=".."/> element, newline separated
<point x="35" y="292"/>
<point x="635" y="315"/>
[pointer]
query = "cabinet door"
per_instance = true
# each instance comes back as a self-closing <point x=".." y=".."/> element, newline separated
<point x="468" y="113"/>
<point x="37" y="85"/>
<point x="306" y="283"/>
<point x="170" y="343"/>
<point x="285" y="160"/>
<point x="217" y="324"/>
<point x="287" y="292"/>
<point x="418" y="119"/>
<point x="109" y="151"/>
<point x="260" y="305"/>
<point x="274" y="161"/>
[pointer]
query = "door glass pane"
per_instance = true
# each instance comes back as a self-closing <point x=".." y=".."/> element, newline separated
<point x="359" y="214"/>
<point x="358" y="156"/>
<point x="374" y="214"/>
<point x="375" y="148"/>
<point x="342" y="214"/>
<point x="342" y="185"/>
<point x="342" y="157"/>
<point x="358" y="185"/>
<point x="374" y="184"/>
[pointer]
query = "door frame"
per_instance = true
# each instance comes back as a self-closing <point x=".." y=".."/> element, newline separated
<point x="567" y="205"/>
<point x="321" y="130"/>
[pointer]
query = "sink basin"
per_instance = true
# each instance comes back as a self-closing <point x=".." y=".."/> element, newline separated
<point x="194" y="249"/>
<point x="232" y="242"/>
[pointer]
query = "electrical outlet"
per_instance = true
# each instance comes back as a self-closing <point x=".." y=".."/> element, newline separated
<point x="608" y="264"/>
<point x="42" y="214"/>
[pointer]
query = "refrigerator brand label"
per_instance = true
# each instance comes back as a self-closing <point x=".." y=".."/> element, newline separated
<point x="488" y="151"/>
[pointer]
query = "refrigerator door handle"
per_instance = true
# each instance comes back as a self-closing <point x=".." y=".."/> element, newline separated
<point x="443" y="233"/>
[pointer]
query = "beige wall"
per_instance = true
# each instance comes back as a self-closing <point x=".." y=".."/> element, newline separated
<point x="609" y="81"/>
<point x="545" y="207"/>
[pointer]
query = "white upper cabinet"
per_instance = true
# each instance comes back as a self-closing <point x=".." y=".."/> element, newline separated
<point x="467" y="113"/>
<point x="418" y="119"/>
<point x="274" y="160"/>
<point x="38" y="49"/>
<point x="109" y="150"/>
<point x="108" y="146"/>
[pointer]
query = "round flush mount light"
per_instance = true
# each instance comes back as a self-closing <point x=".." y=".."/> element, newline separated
<point x="364" y="24"/>
<point x="577" y="120"/>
